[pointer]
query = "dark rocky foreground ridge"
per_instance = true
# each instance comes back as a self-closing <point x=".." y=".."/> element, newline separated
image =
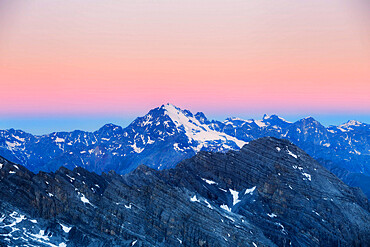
<point x="270" y="193"/>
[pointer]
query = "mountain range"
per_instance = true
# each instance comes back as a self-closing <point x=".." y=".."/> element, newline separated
<point x="269" y="193"/>
<point x="167" y="135"/>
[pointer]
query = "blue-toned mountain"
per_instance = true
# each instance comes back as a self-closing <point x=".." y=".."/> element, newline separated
<point x="168" y="134"/>
<point x="160" y="139"/>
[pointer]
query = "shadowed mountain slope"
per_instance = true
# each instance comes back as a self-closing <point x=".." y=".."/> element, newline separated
<point x="270" y="193"/>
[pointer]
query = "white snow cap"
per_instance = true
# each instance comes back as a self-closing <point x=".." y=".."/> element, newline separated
<point x="350" y="123"/>
<point x="195" y="130"/>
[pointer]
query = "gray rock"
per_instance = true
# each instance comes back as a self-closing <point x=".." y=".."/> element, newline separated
<point x="270" y="193"/>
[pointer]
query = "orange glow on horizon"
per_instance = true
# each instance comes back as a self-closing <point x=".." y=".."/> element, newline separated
<point x="77" y="58"/>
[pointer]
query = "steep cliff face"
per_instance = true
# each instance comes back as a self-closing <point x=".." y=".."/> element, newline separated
<point x="270" y="193"/>
<point x="294" y="198"/>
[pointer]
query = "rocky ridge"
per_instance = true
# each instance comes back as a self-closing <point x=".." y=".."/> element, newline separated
<point x="270" y="193"/>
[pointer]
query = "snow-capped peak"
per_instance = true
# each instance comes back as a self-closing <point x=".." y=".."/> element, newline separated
<point x="195" y="130"/>
<point x="170" y="106"/>
<point x="177" y="115"/>
<point x="282" y="119"/>
<point x="309" y="118"/>
<point x="351" y="123"/>
<point x="271" y="120"/>
<point x="348" y="126"/>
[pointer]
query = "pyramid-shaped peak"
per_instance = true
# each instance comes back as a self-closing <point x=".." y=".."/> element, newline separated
<point x="110" y="127"/>
<point x="195" y="127"/>
<point x="162" y="110"/>
<point x="308" y="119"/>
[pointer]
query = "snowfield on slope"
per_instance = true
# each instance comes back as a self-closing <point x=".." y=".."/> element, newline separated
<point x="196" y="131"/>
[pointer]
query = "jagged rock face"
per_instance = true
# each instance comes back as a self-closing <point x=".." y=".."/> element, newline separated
<point x="270" y="193"/>
<point x="167" y="135"/>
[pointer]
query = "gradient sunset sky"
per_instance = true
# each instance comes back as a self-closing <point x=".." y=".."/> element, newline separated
<point x="77" y="64"/>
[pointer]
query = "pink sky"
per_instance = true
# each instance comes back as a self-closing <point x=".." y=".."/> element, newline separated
<point x="85" y="57"/>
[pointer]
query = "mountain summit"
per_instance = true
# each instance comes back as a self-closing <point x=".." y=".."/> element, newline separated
<point x="199" y="135"/>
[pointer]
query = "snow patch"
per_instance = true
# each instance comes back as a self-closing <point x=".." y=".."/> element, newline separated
<point x="313" y="211"/>
<point x="176" y="147"/>
<point x="260" y="123"/>
<point x="70" y="178"/>
<point x="12" y="145"/>
<point x="225" y="207"/>
<point x="235" y="195"/>
<point x="272" y="215"/>
<point x="350" y="123"/>
<point x="150" y="141"/>
<point x="194" y="199"/>
<point x="208" y="204"/>
<point x="17" y="217"/>
<point x="196" y="131"/>
<point x="40" y="235"/>
<point x="58" y="140"/>
<point x="282" y="228"/>
<point x="18" y="138"/>
<point x="65" y="228"/>
<point x="292" y="154"/>
<point x="209" y="181"/>
<point x="357" y="152"/>
<point x="84" y="199"/>
<point x="308" y="176"/>
<point x="136" y="149"/>
<point x="249" y="191"/>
